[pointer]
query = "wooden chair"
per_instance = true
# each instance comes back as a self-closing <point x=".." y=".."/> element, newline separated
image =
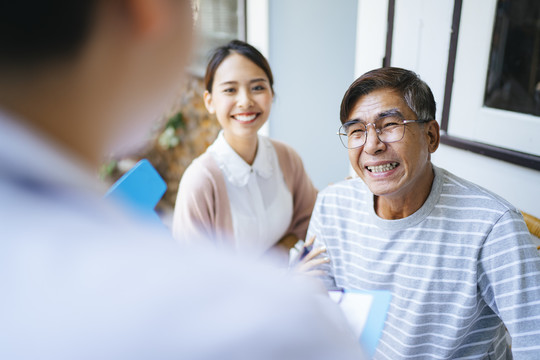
<point x="533" y="223"/>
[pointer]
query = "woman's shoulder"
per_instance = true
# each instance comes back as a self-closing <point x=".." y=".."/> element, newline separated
<point x="291" y="165"/>
<point x="285" y="152"/>
<point x="202" y="172"/>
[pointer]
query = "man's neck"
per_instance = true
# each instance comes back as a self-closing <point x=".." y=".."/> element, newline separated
<point x="402" y="205"/>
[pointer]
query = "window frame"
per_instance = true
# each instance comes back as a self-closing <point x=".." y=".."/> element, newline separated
<point x="512" y="156"/>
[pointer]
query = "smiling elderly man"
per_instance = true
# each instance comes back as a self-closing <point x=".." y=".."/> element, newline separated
<point x="458" y="259"/>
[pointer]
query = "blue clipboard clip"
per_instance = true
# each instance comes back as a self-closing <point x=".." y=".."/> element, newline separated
<point x="140" y="189"/>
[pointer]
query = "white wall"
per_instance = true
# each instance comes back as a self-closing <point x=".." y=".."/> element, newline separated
<point x="421" y="40"/>
<point x="257" y="29"/>
<point x="370" y="35"/>
<point x="312" y="52"/>
<point x="257" y="34"/>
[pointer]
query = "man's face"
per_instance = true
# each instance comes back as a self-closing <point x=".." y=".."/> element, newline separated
<point x="392" y="169"/>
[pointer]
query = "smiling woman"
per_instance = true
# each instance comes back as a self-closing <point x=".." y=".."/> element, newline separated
<point x="240" y="95"/>
<point x="245" y="191"/>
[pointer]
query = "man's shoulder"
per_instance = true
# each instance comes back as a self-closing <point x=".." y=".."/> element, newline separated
<point x="346" y="191"/>
<point x="467" y="193"/>
<point x="98" y="265"/>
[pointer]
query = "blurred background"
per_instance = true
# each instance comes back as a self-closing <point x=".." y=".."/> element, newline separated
<point x="480" y="58"/>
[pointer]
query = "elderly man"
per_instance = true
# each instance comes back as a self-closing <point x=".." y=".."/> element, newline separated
<point x="458" y="259"/>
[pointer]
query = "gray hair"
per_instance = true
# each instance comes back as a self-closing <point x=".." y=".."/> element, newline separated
<point x="415" y="91"/>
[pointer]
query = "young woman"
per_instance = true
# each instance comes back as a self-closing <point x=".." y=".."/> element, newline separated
<point x="246" y="190"/>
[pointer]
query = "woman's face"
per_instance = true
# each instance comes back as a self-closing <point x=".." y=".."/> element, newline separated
<point x="241" y="97"/>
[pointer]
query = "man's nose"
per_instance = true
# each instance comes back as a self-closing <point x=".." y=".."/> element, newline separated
<point x="373" y="145"/>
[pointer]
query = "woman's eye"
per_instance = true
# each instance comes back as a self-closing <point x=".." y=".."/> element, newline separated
<point x="258" y="88"/>
<point x="229" y="90"/>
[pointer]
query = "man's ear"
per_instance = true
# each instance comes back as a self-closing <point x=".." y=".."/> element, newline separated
<point x="208" y="102"/>
<point x="433" y="135"/>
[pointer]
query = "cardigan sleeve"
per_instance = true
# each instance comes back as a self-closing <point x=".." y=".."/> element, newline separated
<point x="303" y="192"/>
<point x="198" y="213"/>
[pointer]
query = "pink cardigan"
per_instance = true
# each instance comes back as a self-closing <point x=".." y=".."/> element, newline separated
<point x="202" y="207"/>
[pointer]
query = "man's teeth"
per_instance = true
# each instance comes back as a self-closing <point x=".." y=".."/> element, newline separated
<point x="382" y="168"/>
<point x="245" y="118"/>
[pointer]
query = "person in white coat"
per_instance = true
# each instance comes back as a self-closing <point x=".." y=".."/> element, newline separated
<point x="85" y="279"/>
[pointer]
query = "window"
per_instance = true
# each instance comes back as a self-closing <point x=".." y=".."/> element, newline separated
<point x="490" y="101"/>
<point x="513" y="81"/>
<point x="218" y="22"/>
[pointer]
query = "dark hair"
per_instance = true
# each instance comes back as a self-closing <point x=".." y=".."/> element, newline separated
<point x="36" y="31"/>
<point x="415" y="92"/>
<point x="238" y="47"/>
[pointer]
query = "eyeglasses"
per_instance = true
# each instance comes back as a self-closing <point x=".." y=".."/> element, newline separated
<point x="353" y="134"/>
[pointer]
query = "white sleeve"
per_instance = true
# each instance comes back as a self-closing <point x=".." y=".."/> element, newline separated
<point x="89" y="294"/>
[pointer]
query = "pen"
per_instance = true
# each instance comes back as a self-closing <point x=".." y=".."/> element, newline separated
<point x="305" y="251"/>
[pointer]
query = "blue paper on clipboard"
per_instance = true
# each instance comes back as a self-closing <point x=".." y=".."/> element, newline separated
<point x="366" y="313"/>
<point x="140" y="188"/>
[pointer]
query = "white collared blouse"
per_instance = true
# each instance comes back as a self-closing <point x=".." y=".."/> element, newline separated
<point x="260" y="201"/>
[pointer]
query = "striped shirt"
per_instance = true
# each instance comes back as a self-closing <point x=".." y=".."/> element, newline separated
<point x="460" y="269"/>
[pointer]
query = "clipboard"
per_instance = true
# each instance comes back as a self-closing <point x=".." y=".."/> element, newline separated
<point x="366" y="313"/>
<point x="140" y="188"/>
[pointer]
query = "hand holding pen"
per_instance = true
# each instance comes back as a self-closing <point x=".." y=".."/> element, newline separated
<point x="310" y="258"/>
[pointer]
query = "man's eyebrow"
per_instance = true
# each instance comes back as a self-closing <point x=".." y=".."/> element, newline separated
<point x="352" y="121"/>
<point x="381" y="115"/>
<point x="390" y="112"/>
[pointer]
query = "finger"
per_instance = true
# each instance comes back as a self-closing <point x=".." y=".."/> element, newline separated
<point x="310" y="241"/>
<point x="313" y="263"/>
<point x="314" y="253"/>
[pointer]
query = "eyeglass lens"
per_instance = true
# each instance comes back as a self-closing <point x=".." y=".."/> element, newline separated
<point x="389" y="129"/>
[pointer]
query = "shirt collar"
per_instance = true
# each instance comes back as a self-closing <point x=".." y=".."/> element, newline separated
<point x="27" y="154"/>
<point x="236" y="170"/>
